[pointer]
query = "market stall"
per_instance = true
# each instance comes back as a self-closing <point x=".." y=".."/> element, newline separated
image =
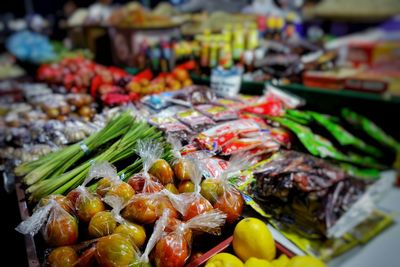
<point x="206" y="140"/>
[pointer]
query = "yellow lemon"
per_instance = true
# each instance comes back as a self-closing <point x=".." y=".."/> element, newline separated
<point x="252" y="238"/>
<point x="281" y="261"/>
<point x="224" y="260"/>
<point x="254" y="262"/>
<point x="305" y="261"/>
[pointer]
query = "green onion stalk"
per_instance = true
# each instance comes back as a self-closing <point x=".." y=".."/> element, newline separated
<point x="56" y="163"/>
<point x="120" y="150"/>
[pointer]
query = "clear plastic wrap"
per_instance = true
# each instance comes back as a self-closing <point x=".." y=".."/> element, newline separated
<point x="226" y="197"/>
<point x="181" y="165"/>
<point x="173" y="249"/>
<point x="143" y="182"/>
<point x="156" y="235"/>
<point x="191" y="204"/>
<point x="132" y="230"/>
<point x="110" y="184"/>
<point x="86" y="203"/>
<point x="59" y="228"/>
<point x="146" y="208"/>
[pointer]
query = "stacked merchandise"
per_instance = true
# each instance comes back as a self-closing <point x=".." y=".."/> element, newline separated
<point x="190" y="161"/>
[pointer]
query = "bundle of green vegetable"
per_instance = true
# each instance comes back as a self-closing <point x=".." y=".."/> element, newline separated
<point x="56" y="163"/>
<point x="121" y="150"/>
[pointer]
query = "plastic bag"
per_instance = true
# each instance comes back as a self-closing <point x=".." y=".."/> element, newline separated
<point x="306" y="192"/>
<point x="86" y="204"/>
<point x="149" y="151"/>
<point x="111" y="184"/>
<point x="133" y="231"/>
<point x="180" y="165"/>
<point x="59" y="228"/>
<point x="146" y="208"/>
<point x="191" y="204"/>
<point x="158" y="231"/>
<point x="225" y="196"/>
<point x="173" y="249"/>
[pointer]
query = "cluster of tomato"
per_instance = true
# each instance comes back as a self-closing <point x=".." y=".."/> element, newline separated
<point x="117" y="229"/>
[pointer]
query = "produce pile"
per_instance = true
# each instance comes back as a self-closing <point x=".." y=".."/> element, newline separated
<point x="183" y="162"/>
<point x="111" y="85"/>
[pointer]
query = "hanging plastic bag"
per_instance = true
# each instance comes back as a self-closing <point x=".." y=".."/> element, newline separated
<point x="221" y="193"/>
<point x="143" y="182"/>
<point x="111" y="184"/>
<point x="173" y="249"/>
<point x="86" y="204"/>
<point x="59" y="228"/>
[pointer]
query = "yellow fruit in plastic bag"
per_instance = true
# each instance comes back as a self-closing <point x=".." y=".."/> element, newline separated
<point x="224" y="260"/>
<point x="282" y="261"/>
<point x="134" y="231"/>
<point x="252" y="238"/>
<point x="305" y="261"/>
<point x="254" y="262"/>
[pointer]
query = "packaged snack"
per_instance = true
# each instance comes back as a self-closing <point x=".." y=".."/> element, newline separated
<point x="215" y="138"/>
<point x="171" y="126"/>
<point x="149" y="151"/>
<point x="217" y="113"/>
<point x="173" y="249"/>
<point x="370" y="128"/>
<point x="344" y="137"/>
<point x="306" y="192"/>
<point x="268" y="108"/>
<point x="59" y="228"/>
<point x="289" y="100"/>
<point x="195" y="120"/>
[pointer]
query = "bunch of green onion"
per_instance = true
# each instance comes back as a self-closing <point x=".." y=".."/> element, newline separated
<point x="56" y="163"/>
<point x="120" y="150"/>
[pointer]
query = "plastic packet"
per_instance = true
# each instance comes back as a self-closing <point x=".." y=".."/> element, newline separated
<point x="289" y="100"/>
<point x="191" y="204"/>
<point x="59" y="228"/>
<point x="86" y="203"/>
<point x="268" y="108"/>
<point x="305" y="192"/>
<point x="344" y="137"/>
<point x="171" y="126"/>
<point x="217" y="113"/>
<point x="215" y="138"/>
<point x="195" y="120"/>
<point x="173" y="249"/>
<point x="110" y="184"/>
<point x="146" y="208"/>
<point x="320" y="146"/>
<point x="143" y="182"/>
<point x="370" y="128"/>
